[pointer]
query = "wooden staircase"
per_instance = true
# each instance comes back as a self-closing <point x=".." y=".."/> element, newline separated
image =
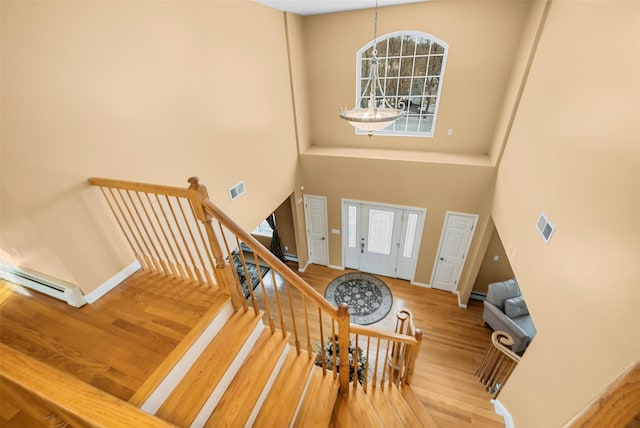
<point x="242" y="364"/>
<point x="247" y="375"/>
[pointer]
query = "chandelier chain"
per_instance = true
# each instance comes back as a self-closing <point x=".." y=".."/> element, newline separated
<point x="375" y="31"/>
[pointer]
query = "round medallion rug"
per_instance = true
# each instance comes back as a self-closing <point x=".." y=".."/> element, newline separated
<point x="369" y="298"/>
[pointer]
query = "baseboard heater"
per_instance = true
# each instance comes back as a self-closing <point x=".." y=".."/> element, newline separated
<point x="288" y="257"/>
<point x="65" y="292"/>
<point x="477" y="296"/>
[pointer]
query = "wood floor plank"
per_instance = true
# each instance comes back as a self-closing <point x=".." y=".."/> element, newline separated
<point x="98" y="343"/>
<point x="425" y="417"/>
<point x="404" y="412"/>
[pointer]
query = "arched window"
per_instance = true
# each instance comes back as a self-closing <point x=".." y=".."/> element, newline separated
<point x="411" y="70"/>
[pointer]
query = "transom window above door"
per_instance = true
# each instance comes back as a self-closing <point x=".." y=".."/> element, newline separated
<point x="411" y="71"/>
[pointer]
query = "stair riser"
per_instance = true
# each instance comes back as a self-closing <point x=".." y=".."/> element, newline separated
<point x="302" y="397"/>
<point x="267" y="388"/>
<point x="211" y="403"/>
<point x="173" y="378"/>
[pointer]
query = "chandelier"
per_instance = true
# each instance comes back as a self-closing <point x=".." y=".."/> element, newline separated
<point x="379" y="114"/>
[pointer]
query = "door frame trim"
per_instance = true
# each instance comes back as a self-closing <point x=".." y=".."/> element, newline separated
<point x="420" y="229"/>
<point x="466" y="251"/>
<point x="326" y="225"/>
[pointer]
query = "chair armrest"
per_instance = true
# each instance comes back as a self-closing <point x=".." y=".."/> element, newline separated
<point x="498" y="320"/>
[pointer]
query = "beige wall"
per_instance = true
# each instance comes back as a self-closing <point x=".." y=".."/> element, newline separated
<point x="493" y="270"/>
<point x="574" y="152"/>
<point x="482" y="38"/>
<point x="145" y="91"/>
<point x="295" y="25"/>
<point x="436" y="187"/>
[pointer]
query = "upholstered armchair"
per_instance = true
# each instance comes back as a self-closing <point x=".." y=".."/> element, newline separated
<point x="506" y="310"/>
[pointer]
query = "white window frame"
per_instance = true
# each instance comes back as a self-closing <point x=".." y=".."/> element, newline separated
<point x="389" y="131"/>
<point x="263" y="229"/>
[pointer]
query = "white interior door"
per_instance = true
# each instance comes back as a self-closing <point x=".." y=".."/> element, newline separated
<point x="454" y="243"/>
<point x="315" y="212"/>
<point x="382" y="239"/>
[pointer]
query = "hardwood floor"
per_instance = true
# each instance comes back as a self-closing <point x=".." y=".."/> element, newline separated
<point x="113" y="344"/>
<point x="117" y="342"/>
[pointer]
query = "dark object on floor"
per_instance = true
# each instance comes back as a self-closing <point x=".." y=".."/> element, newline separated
<point x="253" y="274"/>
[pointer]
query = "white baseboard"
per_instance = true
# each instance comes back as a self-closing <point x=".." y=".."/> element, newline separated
<point x="502" y="411"/>
<point x="112" y="282"/>
<point x="335" y="267"/>
<point x="460" y="304"/>
<point x="303" y="268"/>
<point x="420" y="284"/>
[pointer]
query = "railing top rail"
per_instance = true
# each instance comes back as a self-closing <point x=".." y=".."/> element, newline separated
<point x="268" y="257"/>
<point x="501" y="340"/>
<point x="367" y="331"/>
<point x="77" y="402"/>
<point x="140" y="187"/>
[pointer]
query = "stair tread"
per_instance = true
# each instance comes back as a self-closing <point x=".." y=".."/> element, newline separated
<point x="235" y="406"/>
<point x="418" y="408"/>
<point x="188" y="397"/>
<point x="386" y="411"/>
<point x="356" y="409"/>
<point x="165" y="367"/>
<point x="279" y="408"/>
<point x="404" y="411"/>
<point x="319" y="400"/>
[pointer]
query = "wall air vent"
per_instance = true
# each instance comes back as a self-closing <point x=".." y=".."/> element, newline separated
<point x="236" y="190"/>
<point x="545" y="228"/>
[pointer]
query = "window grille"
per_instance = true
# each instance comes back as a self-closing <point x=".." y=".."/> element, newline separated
<point x="411" y="71"/>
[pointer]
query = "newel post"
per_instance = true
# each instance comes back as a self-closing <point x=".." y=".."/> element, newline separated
<point x="415" y="350"/>
<point x="222" y="271"/>
<point x="344" y="322"/>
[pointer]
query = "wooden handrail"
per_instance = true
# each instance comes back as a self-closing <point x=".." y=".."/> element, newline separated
<point x="380" y="334"/>
<point x="49" y="395"/>
<point x="270" y="259"/>
<point x="179" y="192"/>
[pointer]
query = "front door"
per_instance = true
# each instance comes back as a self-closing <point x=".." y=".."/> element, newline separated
<point x="454" y="244"/>
<point x="315" y="213"/>
<point x="379" y="239"/>
<point x="382" y="239"/>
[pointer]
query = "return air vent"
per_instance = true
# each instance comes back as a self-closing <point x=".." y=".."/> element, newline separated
<point x="545" y="227"/>
<point x="236" y="190"/>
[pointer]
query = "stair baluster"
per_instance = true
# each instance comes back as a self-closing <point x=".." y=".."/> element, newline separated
<point x="498" y="363"/>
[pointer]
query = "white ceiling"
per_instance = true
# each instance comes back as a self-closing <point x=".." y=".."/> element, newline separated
<point x="316" y="7"/>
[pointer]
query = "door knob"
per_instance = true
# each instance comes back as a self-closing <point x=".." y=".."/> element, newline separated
<point x="441" y="259"/>
<point x="323" y="238"/>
